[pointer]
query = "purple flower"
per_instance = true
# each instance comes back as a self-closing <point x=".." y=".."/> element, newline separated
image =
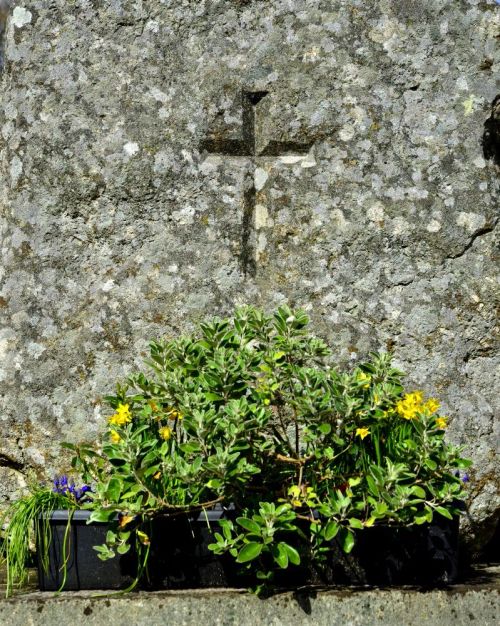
<point x="66" y="488"/>
<point x="463" y="477"/>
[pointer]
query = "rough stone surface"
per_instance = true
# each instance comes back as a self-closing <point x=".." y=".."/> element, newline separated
<point x="121" y="222"/>
<point x="455" y="607"/>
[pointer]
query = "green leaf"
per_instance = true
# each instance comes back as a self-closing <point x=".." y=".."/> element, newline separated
<point x="347" y="540"/>
<point x="418" y="491"/>
<point x="280" y="555"/>
<point x="380" y="509"/>
<point x="249" y="552"/>
<point x="123" y="548"/>
<point x="101" y="515"/>
<point x="113" y="489"/>
<point x="372" y="486"/>
<point x="213" y="397"/>
<point x="110" y="536"/>
<point x="432" y="465"/>
<point x="293" y="555"/>
<point x="444" y="512"/>
<point x="325" y="429"/>
<point x="214" y="483"/>
<point x="249" y="525"/>
<point x="68" y="446"/>
<point x="356" y="523"/>
<point x="331" y="530"/>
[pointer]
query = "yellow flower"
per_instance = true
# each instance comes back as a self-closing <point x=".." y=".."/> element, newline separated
<point x="362" y="432"/>
<point x="165" y="433"/>
<point x="123" y="520"/>
<point x="409" y="407"/>
<point x="122" y="415"/>
<point x="431" y="406"/>
<point x="441" y="422"/>
<point x="157" y="476"/>
<point x="364" y="378"/>
<point x="114" y="436"/>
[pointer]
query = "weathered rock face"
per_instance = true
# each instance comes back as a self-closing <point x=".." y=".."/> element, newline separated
<point x="162" y="161"/>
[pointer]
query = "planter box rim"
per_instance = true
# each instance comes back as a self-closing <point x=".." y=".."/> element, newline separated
<point x="82" y="515"/>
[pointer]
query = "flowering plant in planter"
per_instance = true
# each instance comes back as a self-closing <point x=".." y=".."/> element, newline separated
<point x="252" y="412"/>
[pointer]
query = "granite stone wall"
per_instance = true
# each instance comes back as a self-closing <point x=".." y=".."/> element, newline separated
<point x="164" y="160"/>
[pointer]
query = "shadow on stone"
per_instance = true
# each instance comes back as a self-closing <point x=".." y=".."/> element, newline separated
<point x="491" y="135"/>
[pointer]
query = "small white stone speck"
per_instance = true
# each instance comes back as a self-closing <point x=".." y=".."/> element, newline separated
<point x="260" y="178"/>
<point x="153" y="26"/>
<point x="21" y="17"/>
<point x="261" y="216"/>
<point x="433" y="226"/>
<point x="261" y="245"/>
<point x="131" y="148"/>
<point x="308" y="161"/>
<point x="290" y="159"/>
<point x="376" y="213"/>
<point x="16" y="169"/>
<point x="35" y="350"/>
<point x="346" y="133"/>
<point x="158" y="94"/>
<point x="108" y="286"/>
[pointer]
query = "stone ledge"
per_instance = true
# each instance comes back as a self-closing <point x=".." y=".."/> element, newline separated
<point x="477" y="601"/>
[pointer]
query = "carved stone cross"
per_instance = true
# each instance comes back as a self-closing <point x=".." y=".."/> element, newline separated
<point x="247" y="147"/>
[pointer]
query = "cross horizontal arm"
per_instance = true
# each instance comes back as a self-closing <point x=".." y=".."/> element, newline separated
<point x="282" y="148"/>
<point x="229" y="147"/>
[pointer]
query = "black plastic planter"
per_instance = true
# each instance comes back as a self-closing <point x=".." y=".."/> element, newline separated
<point x="179" y="555"/>
<point x="179" y="558"/>
<point x="425" y="555"/>
<point x="77" y="566"/>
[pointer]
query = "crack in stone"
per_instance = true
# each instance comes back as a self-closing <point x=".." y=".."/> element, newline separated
<point x="9" y="462"/>
<point x="488" y="228"/>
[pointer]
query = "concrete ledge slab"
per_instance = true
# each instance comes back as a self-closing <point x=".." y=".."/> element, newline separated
<point x="458" y="605"/>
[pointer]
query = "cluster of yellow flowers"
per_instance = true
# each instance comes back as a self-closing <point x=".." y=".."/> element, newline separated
<point x="122" y="416"/>
<point x="413" y="405"/>
<point x="410" y="407"/>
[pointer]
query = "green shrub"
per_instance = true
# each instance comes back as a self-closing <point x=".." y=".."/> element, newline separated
<point x="252" y="411"/>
